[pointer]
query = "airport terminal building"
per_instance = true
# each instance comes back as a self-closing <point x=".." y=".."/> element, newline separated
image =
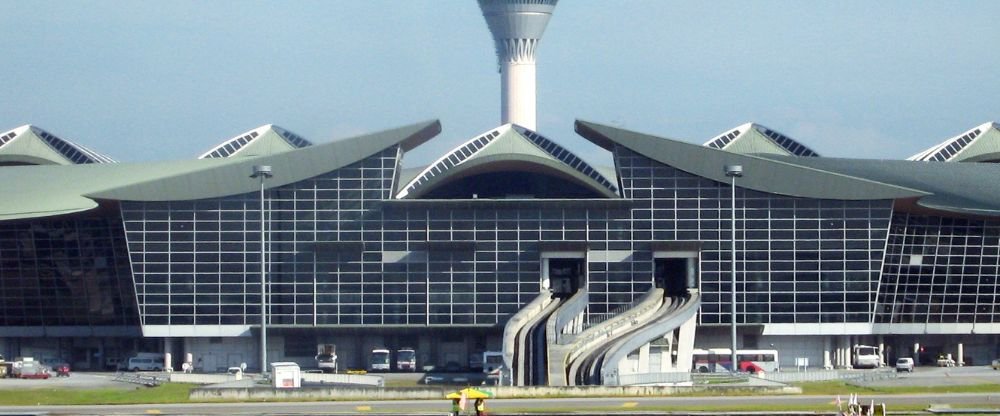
<point x="508" y="242"/>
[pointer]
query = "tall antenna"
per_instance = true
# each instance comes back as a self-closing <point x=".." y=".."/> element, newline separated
<point x="517" y="27"/>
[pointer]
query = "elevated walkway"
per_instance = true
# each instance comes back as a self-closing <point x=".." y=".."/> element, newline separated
<point x="679" y="314"/>
<point x="512" y="330"/>
<point x="544" y="345"/>
<point x="527" y="337"/>
<point x="565" y="360"/>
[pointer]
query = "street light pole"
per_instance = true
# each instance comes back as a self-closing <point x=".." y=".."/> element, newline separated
<point x="733" y="171"/>
<point x="262" y="172"/>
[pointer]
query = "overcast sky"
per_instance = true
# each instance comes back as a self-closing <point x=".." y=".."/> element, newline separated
<point x="157" y="80"/>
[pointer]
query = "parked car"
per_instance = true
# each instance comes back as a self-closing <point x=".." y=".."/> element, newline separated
<point x="995" y="364"/>
<point x="62" y="370"/>
<point x="904" y="364"/>
<point x="945" y="362"/>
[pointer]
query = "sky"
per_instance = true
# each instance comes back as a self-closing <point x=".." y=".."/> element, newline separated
<point x="166" y="80"/>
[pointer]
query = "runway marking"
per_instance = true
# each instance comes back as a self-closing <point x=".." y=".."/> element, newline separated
<point x="153" y="412"/>
<point x="630" y="404"/>
<point x="363" y="408"/>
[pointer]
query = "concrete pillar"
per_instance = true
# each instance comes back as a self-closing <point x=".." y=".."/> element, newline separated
<point x="643" y="365"/>
<point x="827" y="347"/>
<point x="168" y="349"/>
<point x="685" y="344"/>
<point x="666" y="354"/>
<point x="960" y="361"/>
<point x="916" y="353"/>
<point x="848" y="357"/>
<point x="881" y="352"/>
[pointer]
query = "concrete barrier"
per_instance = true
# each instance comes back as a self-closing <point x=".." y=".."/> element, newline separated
<point x="355" y="379"/>
<point x="194" y="378"/>
<point x="436" y="393"/>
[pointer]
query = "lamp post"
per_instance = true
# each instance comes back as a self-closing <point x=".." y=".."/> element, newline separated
<point x="262" y="172"/>
<point x="733" y="171"/>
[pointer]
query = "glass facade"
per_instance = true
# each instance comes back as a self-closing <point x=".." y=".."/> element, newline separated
<point x="940" y="270"/>
<point x="343" y="253"/>
<point x="65" y="272"/>
<point x="798" y="260"/>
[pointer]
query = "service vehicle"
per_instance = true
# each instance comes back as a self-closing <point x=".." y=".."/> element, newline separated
<point x="143" y="364"/>
<point x="379" y="360"/>
<point x="406" y="359"/>
<point x="492" y="361"/>
<point x="31" y="369"/>
<point x="866" y="356"/>
<point x="326" y="358"/>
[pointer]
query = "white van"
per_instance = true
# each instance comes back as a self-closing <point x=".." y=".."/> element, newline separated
<point x="144" y="364"/>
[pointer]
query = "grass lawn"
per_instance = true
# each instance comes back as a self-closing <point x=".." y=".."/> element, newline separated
<point x="164" y="393"/>
<point x="178" y="393"/>
<point x="839" y="387"/>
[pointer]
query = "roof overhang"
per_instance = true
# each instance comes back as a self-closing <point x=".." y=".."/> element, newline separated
<point x="784" y="177"/>
<point x="55" y="190"/>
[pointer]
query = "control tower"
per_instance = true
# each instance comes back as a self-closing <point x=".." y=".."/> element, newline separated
<point x="517" y="27"/>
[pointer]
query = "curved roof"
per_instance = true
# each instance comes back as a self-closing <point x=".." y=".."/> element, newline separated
<point x="264" y="140"/>
<point x="55" y="190"/>
<point x="753" y="138"/>
<point x="978" y="144"/>
<point x="33" y="146"/>
<point x="505" y="146"/>
<point x="963" y="188"/>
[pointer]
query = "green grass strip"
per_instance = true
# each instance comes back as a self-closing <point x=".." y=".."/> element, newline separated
<point x="164" y="393"/>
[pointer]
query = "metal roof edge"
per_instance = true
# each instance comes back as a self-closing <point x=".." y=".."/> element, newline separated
<point x="230" y="176"/>
<point x="760" y="173"/>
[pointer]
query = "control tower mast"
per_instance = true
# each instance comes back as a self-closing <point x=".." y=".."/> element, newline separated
<point x="517" y="27"/>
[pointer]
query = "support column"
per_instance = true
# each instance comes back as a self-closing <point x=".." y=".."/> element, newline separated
<point x="960" y="361"/>
<point x="848" y="356"/>
<point x="685" y="344"/>
<point x="643" y="362"/>
<point x="881" y="352"/>
<point x="827" y="346"/>
<point x="666" y="354"/>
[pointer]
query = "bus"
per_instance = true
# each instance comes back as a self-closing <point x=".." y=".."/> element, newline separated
<point x="719" y="360"/>
<point x="380" y="360"/>
<point x="406" y="359"/>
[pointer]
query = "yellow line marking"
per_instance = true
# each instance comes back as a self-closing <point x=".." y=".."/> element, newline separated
<point x="630" y="404"/>
<point x="363" y="408"/>
<point x="153" y="412"/>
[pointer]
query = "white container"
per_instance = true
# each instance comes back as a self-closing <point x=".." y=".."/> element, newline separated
<point x="286" y="375"/>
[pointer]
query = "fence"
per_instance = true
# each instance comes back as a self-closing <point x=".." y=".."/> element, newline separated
<point x="137" y="378"/>
<point x="854" y="376"/>
<point x="824" y="375"/>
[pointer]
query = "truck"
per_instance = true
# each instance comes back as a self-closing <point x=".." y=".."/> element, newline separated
<point x="326" y="358"/>
<point x="866" y="356"/>
<point x="492" y="361"/>
<point x="379" y="360"/>
<point x="406" y="359"/>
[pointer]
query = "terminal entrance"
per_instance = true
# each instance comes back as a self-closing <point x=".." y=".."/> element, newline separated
<point x="566" y="275"/>
<point x="675" y="275"/>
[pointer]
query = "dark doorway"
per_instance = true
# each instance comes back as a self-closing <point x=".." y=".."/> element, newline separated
<point x="672" y="274"/>
<point x="566" y="276"/>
